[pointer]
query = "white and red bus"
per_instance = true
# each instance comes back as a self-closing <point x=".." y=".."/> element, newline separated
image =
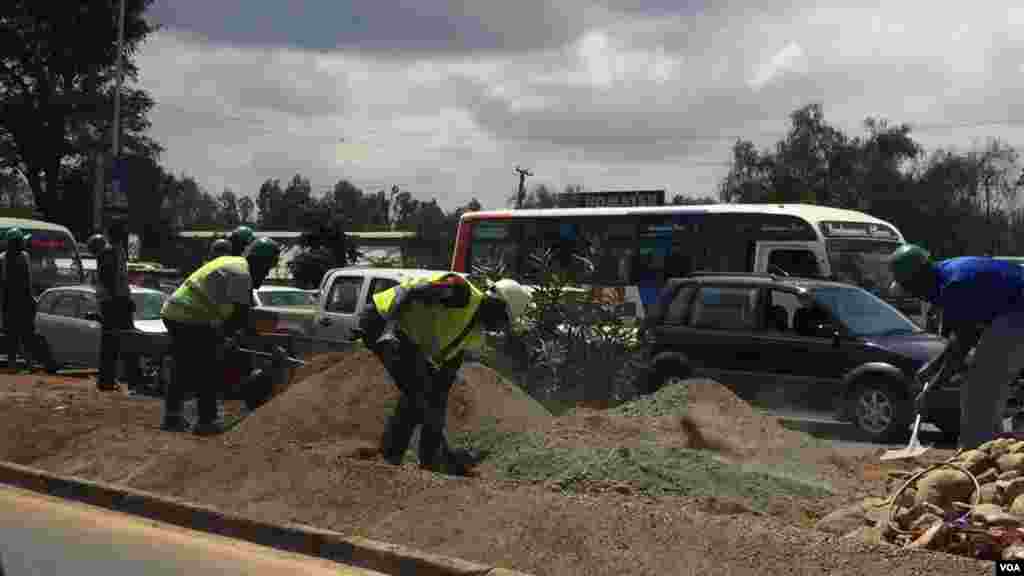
<point x="635" y="249"/>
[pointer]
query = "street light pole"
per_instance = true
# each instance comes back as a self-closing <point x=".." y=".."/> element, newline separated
<point x="115" y="148"/>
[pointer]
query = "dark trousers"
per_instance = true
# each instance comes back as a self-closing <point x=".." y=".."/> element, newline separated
<point x="117" y="316"/>
<point x="423" y="401"/>
<point x="197" y="366"/>
<point x="20" y="340"/>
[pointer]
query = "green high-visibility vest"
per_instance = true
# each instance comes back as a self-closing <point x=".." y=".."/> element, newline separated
<point x="434" y="328"/>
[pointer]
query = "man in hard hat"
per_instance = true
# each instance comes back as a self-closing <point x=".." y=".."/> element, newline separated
<point x="982" y="303"/>
<point x="18" y="302"/>
<point x="221" y="247"/>
<point x="420" y="330"/>
<point x="116" y="306"/>
<point x="205" y="316"/>
<point x="240" y="238"/>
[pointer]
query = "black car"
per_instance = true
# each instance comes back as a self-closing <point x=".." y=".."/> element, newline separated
<point x="798" y="342"/>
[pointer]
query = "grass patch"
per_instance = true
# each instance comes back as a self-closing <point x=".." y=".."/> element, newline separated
<point x="665" y="402"/>
<point x="646" y="467"/>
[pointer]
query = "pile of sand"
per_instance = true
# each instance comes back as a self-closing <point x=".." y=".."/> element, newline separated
<point x="348" y="405"/>
<point x="700" y="414"/>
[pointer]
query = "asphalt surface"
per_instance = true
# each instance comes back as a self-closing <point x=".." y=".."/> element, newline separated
<point x="42" y="535"/>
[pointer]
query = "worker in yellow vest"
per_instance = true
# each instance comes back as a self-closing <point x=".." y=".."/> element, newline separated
<point x="205" y="316"/>
<point x="420" y="330"/>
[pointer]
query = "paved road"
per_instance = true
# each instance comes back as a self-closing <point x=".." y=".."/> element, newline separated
<point x="843" y="434"/>
<point x="41" y="535"/>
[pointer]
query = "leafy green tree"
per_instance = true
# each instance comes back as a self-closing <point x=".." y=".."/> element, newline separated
<point x="57" y="79"/>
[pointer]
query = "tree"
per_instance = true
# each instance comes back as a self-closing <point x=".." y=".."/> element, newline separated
<point x="297" y="199"/>
<point x="246" y="208"/>
<point x="228" y="207"/>
<point x="56" y="85"/>
<point x="539" y="196"/>
<point x="270" y="203"/>
<point x="326" y="246"/>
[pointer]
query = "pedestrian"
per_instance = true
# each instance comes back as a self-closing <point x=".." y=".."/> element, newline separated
<point x="206" y="317"/>
<point x="420" y="330"/>
<point x="240" y="238"/>
<point x="982" y="301"/>
<point x="221" y="247"/>
<point x="18" y="301"/>
<point x="116" y="308"/>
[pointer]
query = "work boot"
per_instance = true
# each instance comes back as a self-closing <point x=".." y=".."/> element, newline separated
<point x="208" y="428"/>
<point x="174" y="423"/>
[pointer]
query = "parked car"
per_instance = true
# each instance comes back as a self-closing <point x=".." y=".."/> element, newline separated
<point x="345" y="292"/>
<point x="794" y="342"/>
<point x="68" y="327"/>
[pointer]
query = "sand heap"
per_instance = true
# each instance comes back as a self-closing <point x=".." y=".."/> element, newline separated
<point x="349" y="403"/>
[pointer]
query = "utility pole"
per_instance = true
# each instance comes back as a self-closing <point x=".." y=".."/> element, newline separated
<point x="521" y="196"/>
<point x="115" y="147"/>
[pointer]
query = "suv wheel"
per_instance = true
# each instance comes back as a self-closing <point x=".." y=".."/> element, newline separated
<point x="667" y="372"/>
<point x="880" y="412"/>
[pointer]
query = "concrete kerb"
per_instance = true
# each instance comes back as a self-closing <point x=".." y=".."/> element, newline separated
<point x="354" y="551"/>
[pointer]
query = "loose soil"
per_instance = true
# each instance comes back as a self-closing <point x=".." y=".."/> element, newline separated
<point x="308" y="456"/>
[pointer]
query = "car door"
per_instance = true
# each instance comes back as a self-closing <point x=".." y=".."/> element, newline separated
<point x="92" y="330"/>
<point x="65" y="332"/>
<point x="805" y="360"/>
<point x="718" y="334"/>
<point x="340" y="309"/>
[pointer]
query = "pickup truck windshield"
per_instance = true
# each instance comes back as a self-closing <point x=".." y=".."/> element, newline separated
<point x="863" y="313"/>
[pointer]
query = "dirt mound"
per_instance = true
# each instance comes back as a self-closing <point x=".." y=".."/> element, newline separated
<point x="348" y="404"/>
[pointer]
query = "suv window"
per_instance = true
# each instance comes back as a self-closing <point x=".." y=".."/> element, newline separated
<point x="379" y="285"/>
<point x="781" y="307"/>
<point x="87" y="304"/>
<point x="66" y="305"/>
<point x="676" y="313"/>
<point x="794" y="262"/>
<point x="725" y="308"/>
<point x="47" y="301"/>
<point x="344" y="295"/>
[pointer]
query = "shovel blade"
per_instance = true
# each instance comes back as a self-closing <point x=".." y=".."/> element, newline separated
<point x="906" y="453"/>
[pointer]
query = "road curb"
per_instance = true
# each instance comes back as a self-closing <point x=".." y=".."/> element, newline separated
<point x="382" y="557"/>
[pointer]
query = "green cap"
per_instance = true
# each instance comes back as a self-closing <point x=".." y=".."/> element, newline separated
<point x="16" y="235"/>
<point x="243" y="234"/>
<point x="263" y="249"/>
<point x="907" y="261"/>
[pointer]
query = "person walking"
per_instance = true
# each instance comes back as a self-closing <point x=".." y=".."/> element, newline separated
<point x="420" y="330"/>
<point x="19" y="304"/>
<point x="982" y="301"/>
<point x="206" y="317"/>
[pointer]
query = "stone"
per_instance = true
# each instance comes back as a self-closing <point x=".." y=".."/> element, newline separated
<point x="869" y="534"/>
<point x="1017" y="506"/>
<point x="1009" y="490"/>
<point x="850" y="518"/>
<point x="976" y="461"/>
<point x="989" y="494"/>
<point x="1009" y="475"/>
<point x="1008" y="462"/>
<point x="944" y="486"/>
<point x="994" y="515"/>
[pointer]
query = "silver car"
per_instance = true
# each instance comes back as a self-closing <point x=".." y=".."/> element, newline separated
<point x="68" y="327"/>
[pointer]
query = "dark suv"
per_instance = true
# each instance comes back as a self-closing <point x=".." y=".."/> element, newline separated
<point x="798" y="342"/>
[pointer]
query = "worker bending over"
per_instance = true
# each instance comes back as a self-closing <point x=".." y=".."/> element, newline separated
<point x="420" y="330"/>
<point x="220" y="247"/>
<point x="205" y="316"/>
<point x="982" y="302"/>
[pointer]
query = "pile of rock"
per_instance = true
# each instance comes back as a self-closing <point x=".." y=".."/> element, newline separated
<point x="971" y="505"/>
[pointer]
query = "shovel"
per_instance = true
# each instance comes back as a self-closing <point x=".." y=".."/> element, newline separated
<point x="914" y="448"/>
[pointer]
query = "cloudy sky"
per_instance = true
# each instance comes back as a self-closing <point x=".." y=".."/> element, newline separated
<point x="446" y="97"/>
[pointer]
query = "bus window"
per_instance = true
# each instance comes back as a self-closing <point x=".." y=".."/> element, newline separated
<point x="493" y="243"/>
<point x="54" y="258"/>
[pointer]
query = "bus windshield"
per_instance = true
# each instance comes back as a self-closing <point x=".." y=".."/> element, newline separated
<point x="862" y="263"/>
<point x="54" y="259"/>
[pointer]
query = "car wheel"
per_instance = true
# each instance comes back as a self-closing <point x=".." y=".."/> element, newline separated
<point x="880" y="411"/>
<point x="950" y="430"/>
<point x="668" y="372"/>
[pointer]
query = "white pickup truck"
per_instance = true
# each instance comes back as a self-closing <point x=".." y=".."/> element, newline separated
<point x="345" y="293"/>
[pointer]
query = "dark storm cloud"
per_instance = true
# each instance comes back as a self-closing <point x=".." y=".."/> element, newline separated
<point x="385" y="26"/>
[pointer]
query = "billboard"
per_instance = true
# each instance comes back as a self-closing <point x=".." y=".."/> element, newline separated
<point x="612" y="198"/>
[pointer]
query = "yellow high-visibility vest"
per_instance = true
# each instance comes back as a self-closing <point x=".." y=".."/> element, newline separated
<point x="203" y="298"/>
<point x="434" y="328"/>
